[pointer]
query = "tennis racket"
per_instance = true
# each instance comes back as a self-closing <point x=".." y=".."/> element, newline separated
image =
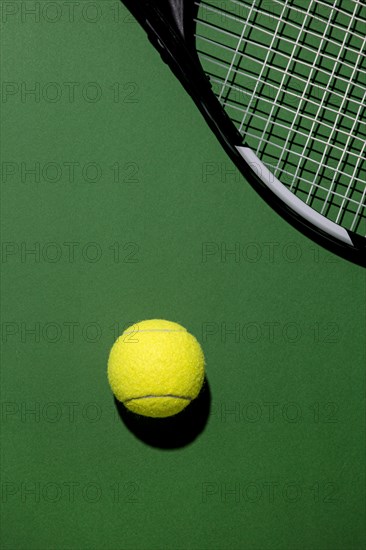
<point x="282" y="85"/>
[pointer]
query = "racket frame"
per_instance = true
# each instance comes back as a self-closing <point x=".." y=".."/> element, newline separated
<point x="170" y="27"/>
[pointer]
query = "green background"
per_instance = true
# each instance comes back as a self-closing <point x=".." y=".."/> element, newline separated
<point x="132" y="212"/>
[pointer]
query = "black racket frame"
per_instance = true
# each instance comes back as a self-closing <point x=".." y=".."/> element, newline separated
<point x="170" y="27"/>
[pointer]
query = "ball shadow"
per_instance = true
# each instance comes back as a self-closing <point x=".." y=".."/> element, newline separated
<point x="173" y="432"/>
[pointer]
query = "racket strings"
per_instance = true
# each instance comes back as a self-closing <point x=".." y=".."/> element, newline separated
<point x="325" y="157"/>
<point x="236" y="105"/>
<point x="292" y="79"/>
<point x="268" y="33"/>
<point x="295" y="76"/>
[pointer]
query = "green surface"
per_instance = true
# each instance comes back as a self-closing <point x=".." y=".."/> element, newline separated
<point x="175" y="234"/>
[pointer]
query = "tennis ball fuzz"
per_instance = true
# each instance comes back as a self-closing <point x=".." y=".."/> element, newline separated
<point x="156" y="368"/>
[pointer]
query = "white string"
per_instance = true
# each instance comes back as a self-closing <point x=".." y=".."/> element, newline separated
<point x="340" y="10"/>
<point x="281" y="87"/>
<point x="345" y="150"/>
<point x="280" y="54"/>
<point x="317" y="18"/>
<point x="236" y="52"/>
<point x="288" y="92"/>
<point x="272" y="16"/>
<point x="290" y="110"/>
<point x="264" y="64"/>
<point x="295" y="154"/>
<point x="300" y="133"/>
<point x="346" y="197"/>
<point x="344" y="140"/>
<point x="309" y="138"/>
<point x="318" y="185"/>
<point x="357" y="214"/>
<point x="319" y="2"/>
<point x="255" y="114"/>
<point x="327" y="144"/>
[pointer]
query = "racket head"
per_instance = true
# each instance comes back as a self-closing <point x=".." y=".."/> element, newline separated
<point x="174" y="28"/>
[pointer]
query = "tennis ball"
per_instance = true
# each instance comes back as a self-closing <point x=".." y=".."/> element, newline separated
<point x="156" y="368"/>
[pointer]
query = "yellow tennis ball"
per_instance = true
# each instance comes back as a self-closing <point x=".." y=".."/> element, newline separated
<point x="156" y="368"/>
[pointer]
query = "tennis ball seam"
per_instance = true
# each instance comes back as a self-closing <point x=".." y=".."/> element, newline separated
<point x="152" y="330"/>
<point x="157" y="395"/>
